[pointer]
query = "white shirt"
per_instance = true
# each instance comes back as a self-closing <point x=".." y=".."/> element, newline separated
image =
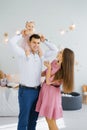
<point x="30" y="67"/>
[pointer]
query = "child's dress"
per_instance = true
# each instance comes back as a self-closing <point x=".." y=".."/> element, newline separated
<point x="49" y="101"/>
<point x="24" y="43"/>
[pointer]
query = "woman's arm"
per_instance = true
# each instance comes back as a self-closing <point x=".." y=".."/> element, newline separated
<point x="48" y="72"/>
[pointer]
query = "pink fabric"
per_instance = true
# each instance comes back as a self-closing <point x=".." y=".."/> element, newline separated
<point x="49" y="101"/>
<point x="54" y="68"/>
<point x="24" y="43"/>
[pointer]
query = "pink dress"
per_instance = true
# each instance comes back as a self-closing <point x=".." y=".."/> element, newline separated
<point x="49" y="101"/>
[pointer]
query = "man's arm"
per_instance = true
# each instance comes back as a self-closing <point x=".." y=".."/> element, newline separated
<point x="13" y="44"/>
<point x="48" y="72"/>
<point x="51" y="46"/>
<point x="53" y="50"/>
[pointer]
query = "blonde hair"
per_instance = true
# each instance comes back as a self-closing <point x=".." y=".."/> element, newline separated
<point x="29" y="22"/>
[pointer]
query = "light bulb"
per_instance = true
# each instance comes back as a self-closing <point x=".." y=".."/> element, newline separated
<point x="6" y="40"/>
<point x="72" y="27"/>
<point x="17" y="32"/>
<point x="62" y="32"/>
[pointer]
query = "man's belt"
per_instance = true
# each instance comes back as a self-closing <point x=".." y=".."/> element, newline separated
<point x="28" y="87"/>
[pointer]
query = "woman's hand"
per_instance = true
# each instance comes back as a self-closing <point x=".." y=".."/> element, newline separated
<point x="47" y="64"/>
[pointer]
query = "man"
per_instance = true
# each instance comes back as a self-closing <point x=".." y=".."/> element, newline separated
<point x="30" y="67"/>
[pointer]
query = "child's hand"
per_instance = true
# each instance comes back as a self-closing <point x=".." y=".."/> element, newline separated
<point x="47" y="64"/>
<point x="24" y="32"/>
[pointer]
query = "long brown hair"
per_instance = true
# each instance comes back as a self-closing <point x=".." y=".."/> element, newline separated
<point x="66" y="72"/>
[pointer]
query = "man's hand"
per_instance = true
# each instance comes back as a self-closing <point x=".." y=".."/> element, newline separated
<point x="42" y="38"/>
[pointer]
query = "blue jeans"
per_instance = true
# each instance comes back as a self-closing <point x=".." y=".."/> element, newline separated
<point x="27" y="102"/>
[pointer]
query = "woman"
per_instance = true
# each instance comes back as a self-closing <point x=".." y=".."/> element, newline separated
<point x="60" y="71"/>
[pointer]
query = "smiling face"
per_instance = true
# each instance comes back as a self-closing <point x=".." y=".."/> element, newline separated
<point x="34" y="45"/>
<point x="30" y="26"/>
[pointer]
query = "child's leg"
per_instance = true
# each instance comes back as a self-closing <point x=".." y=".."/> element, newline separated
<point x="52" y="124"/>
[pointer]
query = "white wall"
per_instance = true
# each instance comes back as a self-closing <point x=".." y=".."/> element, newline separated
<point x="50" y="16"/>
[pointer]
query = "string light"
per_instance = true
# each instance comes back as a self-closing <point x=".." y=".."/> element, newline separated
<point x="72" y="27"/>
<point x="5" y="34"/>
<point x="6" y="40"/>
<point x="17" y="32"/>
<point x="5" y="37"/>
<point x="62" y="32"/>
